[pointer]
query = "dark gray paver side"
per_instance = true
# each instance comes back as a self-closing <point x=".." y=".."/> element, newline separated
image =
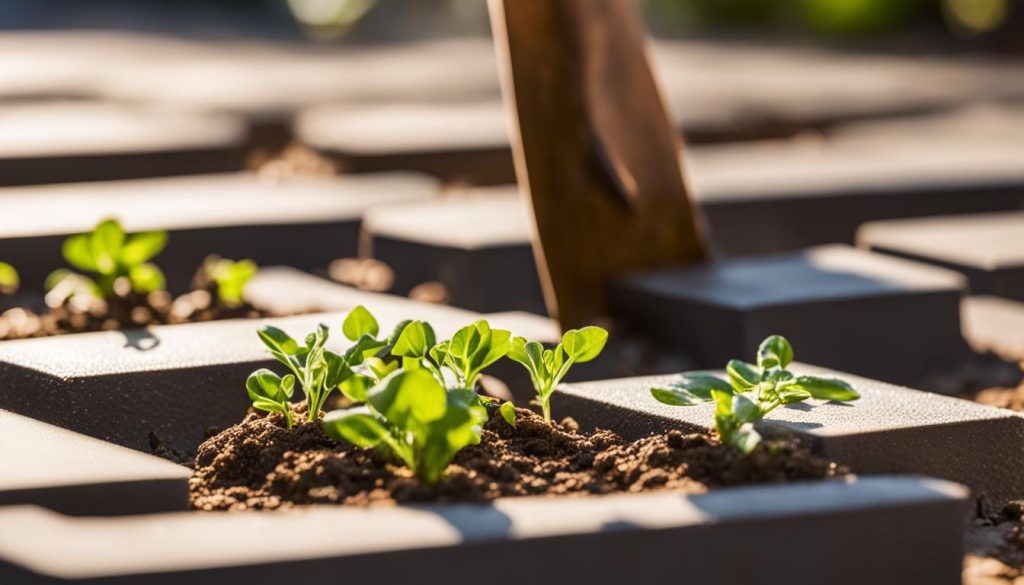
<point x="891" y="429"/>
<point x="880" y="530"/>
<point x="477" y="244"/>
<point x="57" y="142"/>
<point x="75" y="474"/>
<point x="840" y="307"/>
<point x="304" y="222"/>
<point x="986" y="248"/>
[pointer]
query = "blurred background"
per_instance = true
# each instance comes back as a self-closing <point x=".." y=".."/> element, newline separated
<point x="194" y="114"/>
<point x="942" y="25"/>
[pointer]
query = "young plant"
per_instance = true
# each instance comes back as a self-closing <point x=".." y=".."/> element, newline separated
<point x="9" y="279"/>
<point x="317" y="369"/>
<point x="414" y="417"/>
<point x="116" y="262"/>
<point x="271" y="393"/>
<point x="468" y="352"/>
<point x="230" y="278"/>
<point x="547" y="367"/>
<point x="752" y="392"/>
<point x="465" y="355"/>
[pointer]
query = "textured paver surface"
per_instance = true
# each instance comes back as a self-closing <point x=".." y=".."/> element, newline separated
<point x="994" y="324"/>
<point x="73" y="473"/>
<point x="766" y="196"/>
<point x="846" y="528"/>
<point x="65" y="141"/>
<point x="987" y="248"/>
<point x="474" y="219"/>
<point x="66" y="128"/>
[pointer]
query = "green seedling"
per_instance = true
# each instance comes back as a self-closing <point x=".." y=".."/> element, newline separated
<point x="112" y="259"/>
<point x="508" y="412"/>
<point x="230" y="278"/>
<point x="548" y="367"/>
<point x="469" y="351"/>
<point x="752" y="391"/>
<point x="411" y="415"/>
<point x="9" y="279"/>
<point x="464" y="356"/>
<point x="271" y="393"/>
<point x="317" y="369"/>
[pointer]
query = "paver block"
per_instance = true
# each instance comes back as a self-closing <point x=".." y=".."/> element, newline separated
<point x="755" y="91"/>
<point x="75" y="474"/>
<point x="890" y="429"/>
<point x="994" y="324"/>
<point x="304" y="222"/>
<point x="178" y="381"/>
<point x="306" y="292"/>
<point x="477" y="245"/>
<point x="772" y="196"/>
<point x="880" y="530"/>
<point x="841" y="307"/>
<point x="55" y="142"/>
<point x="465" y="142"/>
<point x="987" y="248"/>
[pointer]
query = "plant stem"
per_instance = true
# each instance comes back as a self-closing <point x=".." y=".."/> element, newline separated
<point x="313" y="408"/>
<point x="545" y="406"/>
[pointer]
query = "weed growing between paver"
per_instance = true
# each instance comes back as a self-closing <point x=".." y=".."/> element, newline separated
<point x="752" y="391"/>
<point x="115" y="285"/>
<point x="420" y="431"/>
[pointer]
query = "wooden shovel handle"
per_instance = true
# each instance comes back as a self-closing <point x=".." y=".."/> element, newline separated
<point x="594" y="148"/>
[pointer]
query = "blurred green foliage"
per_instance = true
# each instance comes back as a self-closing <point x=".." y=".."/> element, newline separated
<point x="829" y="18"/>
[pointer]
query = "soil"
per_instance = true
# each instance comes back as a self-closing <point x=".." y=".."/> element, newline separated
<point x="995" y="548"/>
<point x="258" y="464"/>
<point x="1011" y="398"/>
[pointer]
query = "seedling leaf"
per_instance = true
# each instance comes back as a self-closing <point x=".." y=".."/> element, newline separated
<point x="277" y="340"/>
<point x="742" y="375"/>
<point x="146" y="278"/>
<point x="691" y="390"/>
<point x="508" y="412"/>
<point x="774" y="352"/>
<point x="359" y="322"/>
<point x="9" y="279"/>
<point x="824" y="388"/>
<point x="415" y="340"/>
<point x="357" y="426"/>
<point x="405" y="394"/>
<point x="142" y="247"/>
<point x="583" y="345"/>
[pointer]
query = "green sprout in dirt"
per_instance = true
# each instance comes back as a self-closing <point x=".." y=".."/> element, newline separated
<point x="318" y="370"/>
<point x="420" y="400"/>
<point x="412" y="416"/>
<point x="752" y="392"/>
<point x="472" y="349"/>
<point x="115" y="262"/>
<point x="548" y="367"/>
<point x="9" y="279"/>
<point x="229" y="277"/>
